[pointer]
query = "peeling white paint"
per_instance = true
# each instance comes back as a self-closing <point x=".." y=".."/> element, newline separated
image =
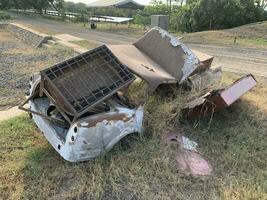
<point x="88" y="137"/>
<point x="89" y="142"/>
<point x="191" y="61"/>
<point x="173" y="40"/>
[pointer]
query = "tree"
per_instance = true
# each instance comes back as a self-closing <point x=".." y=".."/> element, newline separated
<point x="38" y="5"/>
<point x="262" y="4"/>
<point x="5" y="4"/>
<point x="58" y="5"/>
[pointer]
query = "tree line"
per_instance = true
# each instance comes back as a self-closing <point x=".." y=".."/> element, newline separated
<point x="185" y="15"/>
<point x="200" y="15"/>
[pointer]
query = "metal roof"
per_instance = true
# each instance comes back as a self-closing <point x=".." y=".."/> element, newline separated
<point x="116" y="3"/>
<point x="110" y="19"/>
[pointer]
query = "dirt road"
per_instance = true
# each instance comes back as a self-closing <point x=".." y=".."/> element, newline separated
<point x="231" y="58"/>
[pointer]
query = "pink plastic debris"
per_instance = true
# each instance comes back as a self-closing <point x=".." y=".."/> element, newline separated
<point x="192" y="163"/>
<point x="189" y="161"/>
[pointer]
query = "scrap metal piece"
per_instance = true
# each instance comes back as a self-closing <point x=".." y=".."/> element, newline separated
<point x="80" y="83"/>
<point x="207" y="80"/>
<point x="90" y="135"/>
<point x="205" y="60"/>
<point x="188" y="160"/>
<point x="216" y="100"/>
<point x="158" y="58"/>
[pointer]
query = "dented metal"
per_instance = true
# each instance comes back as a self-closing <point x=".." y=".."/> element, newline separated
<point x="89" y="136"/>
<point x="158" y="58"/>
<point x="77" y="106"/>
<point x="216" y="100"/>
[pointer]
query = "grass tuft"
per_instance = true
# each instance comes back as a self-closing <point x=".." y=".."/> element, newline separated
<point x="144" y="168"/>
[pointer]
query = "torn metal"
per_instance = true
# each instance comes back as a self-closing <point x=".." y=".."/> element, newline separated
<point x="205" y="61"/>
<point x="158" y="58"/>
<point x="218" y="99"/>
<point x="79" y="104"/>
<point x="77" y="107"/>
<point x="92" y="134"/>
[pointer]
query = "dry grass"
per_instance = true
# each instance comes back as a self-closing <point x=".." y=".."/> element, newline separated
<point x="251" y="35"/>
<point x="143" y="168"/>
<point x="86" y="44"/>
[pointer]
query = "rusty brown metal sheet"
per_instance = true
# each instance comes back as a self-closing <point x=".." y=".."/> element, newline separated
<point x="110" y="118"/>
<point x="158" y="58"/>
<point x="142" y="65"/>
<point x="205" y="60"/>
<point x="216" y="100"/>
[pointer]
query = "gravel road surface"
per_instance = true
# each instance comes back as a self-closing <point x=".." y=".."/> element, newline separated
<point x="231" y="58"/>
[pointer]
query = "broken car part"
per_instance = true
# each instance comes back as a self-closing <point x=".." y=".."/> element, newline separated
<point x="76" y="106"/>
<point x="158" y="58"/>
<point x="92" y="134"/>
<point x="205" y="60"/>
<point x="79" y="104"/>
<point x="218" y="99"/>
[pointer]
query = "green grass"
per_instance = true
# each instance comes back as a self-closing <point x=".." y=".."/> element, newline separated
<point x="253" y="42"/>
<point x="144" y="168"/>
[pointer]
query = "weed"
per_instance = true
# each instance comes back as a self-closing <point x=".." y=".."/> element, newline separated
<point x="144" y="168"/>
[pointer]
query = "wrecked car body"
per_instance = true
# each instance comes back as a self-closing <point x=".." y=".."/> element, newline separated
<point x="91" y="136"/>
<point x="76" y="106"/>
<point x="79" y="104"/>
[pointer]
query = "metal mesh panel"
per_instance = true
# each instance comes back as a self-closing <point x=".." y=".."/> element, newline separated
<point x="87" y="79"/>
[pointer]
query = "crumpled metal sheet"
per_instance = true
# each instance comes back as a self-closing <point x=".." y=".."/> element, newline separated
<point x="216" y="100"/>
<point x="158" y="58"/>
<point x="90" y="136"/>
<point x="205" y="60"/>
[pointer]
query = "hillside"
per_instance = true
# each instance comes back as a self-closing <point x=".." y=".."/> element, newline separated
<point x="251" y="35"/>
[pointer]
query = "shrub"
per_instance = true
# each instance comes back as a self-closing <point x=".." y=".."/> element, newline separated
<point x="4" y="16"/>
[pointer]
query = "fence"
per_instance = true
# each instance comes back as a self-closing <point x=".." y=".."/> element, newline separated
<point x="67" y="15"/>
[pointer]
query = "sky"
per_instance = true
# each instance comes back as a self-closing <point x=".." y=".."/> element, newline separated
<point x="90" y="1"/>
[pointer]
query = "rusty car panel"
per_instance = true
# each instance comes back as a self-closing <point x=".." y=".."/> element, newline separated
<point x="216" y="100"/>
<point x="158" y="58"/>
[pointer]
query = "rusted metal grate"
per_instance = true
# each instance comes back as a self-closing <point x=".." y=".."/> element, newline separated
<point x="78" y="84"/>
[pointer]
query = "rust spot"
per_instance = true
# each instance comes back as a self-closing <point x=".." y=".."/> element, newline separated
<point x="85" y="142"/>
<point x="115" y="117"/>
